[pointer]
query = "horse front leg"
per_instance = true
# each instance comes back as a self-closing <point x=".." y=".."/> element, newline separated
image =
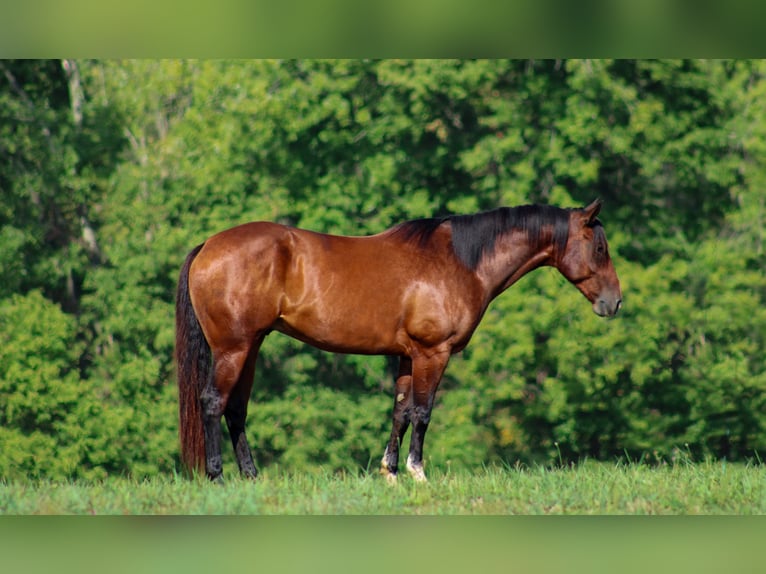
<point x="426" y="374"/>
<point x="401" y="419"/>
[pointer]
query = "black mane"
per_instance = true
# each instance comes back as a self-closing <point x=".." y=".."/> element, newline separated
<point x="474" y="236"/>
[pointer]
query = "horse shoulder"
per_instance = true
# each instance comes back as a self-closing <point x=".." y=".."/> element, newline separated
<point x="443" y="309"/>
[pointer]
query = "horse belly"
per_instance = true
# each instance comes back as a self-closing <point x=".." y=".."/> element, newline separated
<point x="346" y="322"/>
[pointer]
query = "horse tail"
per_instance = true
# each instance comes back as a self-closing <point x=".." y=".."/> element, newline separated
<point x="194" y="365"/>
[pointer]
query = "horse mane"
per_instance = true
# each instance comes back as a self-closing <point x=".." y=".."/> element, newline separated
<point x="474" y="236"/>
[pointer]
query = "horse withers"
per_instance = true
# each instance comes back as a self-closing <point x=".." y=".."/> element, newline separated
<point x="416" y="291"/>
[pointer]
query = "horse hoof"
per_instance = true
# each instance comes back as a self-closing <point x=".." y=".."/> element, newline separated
<point x="389" y="476"/>
<point x="416" y="471"/>
<point x="419" y="475"/>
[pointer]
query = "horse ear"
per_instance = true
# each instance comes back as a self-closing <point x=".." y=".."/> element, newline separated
<point x="591" y="211"/>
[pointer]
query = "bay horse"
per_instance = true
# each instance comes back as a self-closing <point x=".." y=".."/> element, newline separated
<point x="416" y="291"/>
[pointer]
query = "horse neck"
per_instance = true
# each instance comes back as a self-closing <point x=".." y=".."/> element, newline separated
<point x="512" y="258"/>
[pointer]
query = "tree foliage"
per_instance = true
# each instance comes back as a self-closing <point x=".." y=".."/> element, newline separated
<point x="111" y="171"/>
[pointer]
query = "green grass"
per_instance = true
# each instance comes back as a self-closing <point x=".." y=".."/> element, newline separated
<point x="590" y="488"/>
<point x="343" y="544"/>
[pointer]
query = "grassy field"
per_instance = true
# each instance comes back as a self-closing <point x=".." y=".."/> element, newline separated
<point x="591" y="488"/>
<point x="268" y="539"/>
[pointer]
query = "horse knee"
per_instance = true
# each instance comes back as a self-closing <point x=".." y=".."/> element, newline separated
<point x="421" y="414"/>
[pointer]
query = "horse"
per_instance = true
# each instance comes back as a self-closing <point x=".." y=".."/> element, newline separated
<point x="416" y="292"/>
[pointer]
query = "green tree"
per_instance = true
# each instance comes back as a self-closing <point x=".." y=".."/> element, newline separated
<point x="40" y="391"/>
<point x="54" y="155"/>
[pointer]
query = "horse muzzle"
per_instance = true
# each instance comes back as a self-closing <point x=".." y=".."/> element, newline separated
<point x="607" y="306"/>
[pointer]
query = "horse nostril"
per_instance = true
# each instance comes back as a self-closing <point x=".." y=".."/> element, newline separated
<point x="607" y="307"/>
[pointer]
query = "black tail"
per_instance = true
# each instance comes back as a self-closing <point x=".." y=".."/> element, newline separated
<point x="194" y="362"/>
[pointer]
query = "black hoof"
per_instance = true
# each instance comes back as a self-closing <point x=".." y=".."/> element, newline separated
<point x="217" y="479"/>
<point x="250" y="474"/>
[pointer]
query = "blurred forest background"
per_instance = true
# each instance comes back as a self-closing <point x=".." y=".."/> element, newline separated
<point x="111" y="171"/>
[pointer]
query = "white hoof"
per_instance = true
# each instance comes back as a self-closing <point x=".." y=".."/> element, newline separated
<point x="416" y="471"/>
<point x="390" y="477"/>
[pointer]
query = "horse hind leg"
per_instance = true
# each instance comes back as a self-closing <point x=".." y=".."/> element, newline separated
<point x="212" y="404"/>
<point x="214" y="399"/>
<point x="236" y="414"/>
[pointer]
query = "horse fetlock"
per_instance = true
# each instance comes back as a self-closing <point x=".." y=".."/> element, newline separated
<point x="389" y="462"/>
<point x="422" y="413"/>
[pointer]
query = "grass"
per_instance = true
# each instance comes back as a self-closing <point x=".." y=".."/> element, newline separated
<point x="342" y="544"/>
<point x="590" y="488"/>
